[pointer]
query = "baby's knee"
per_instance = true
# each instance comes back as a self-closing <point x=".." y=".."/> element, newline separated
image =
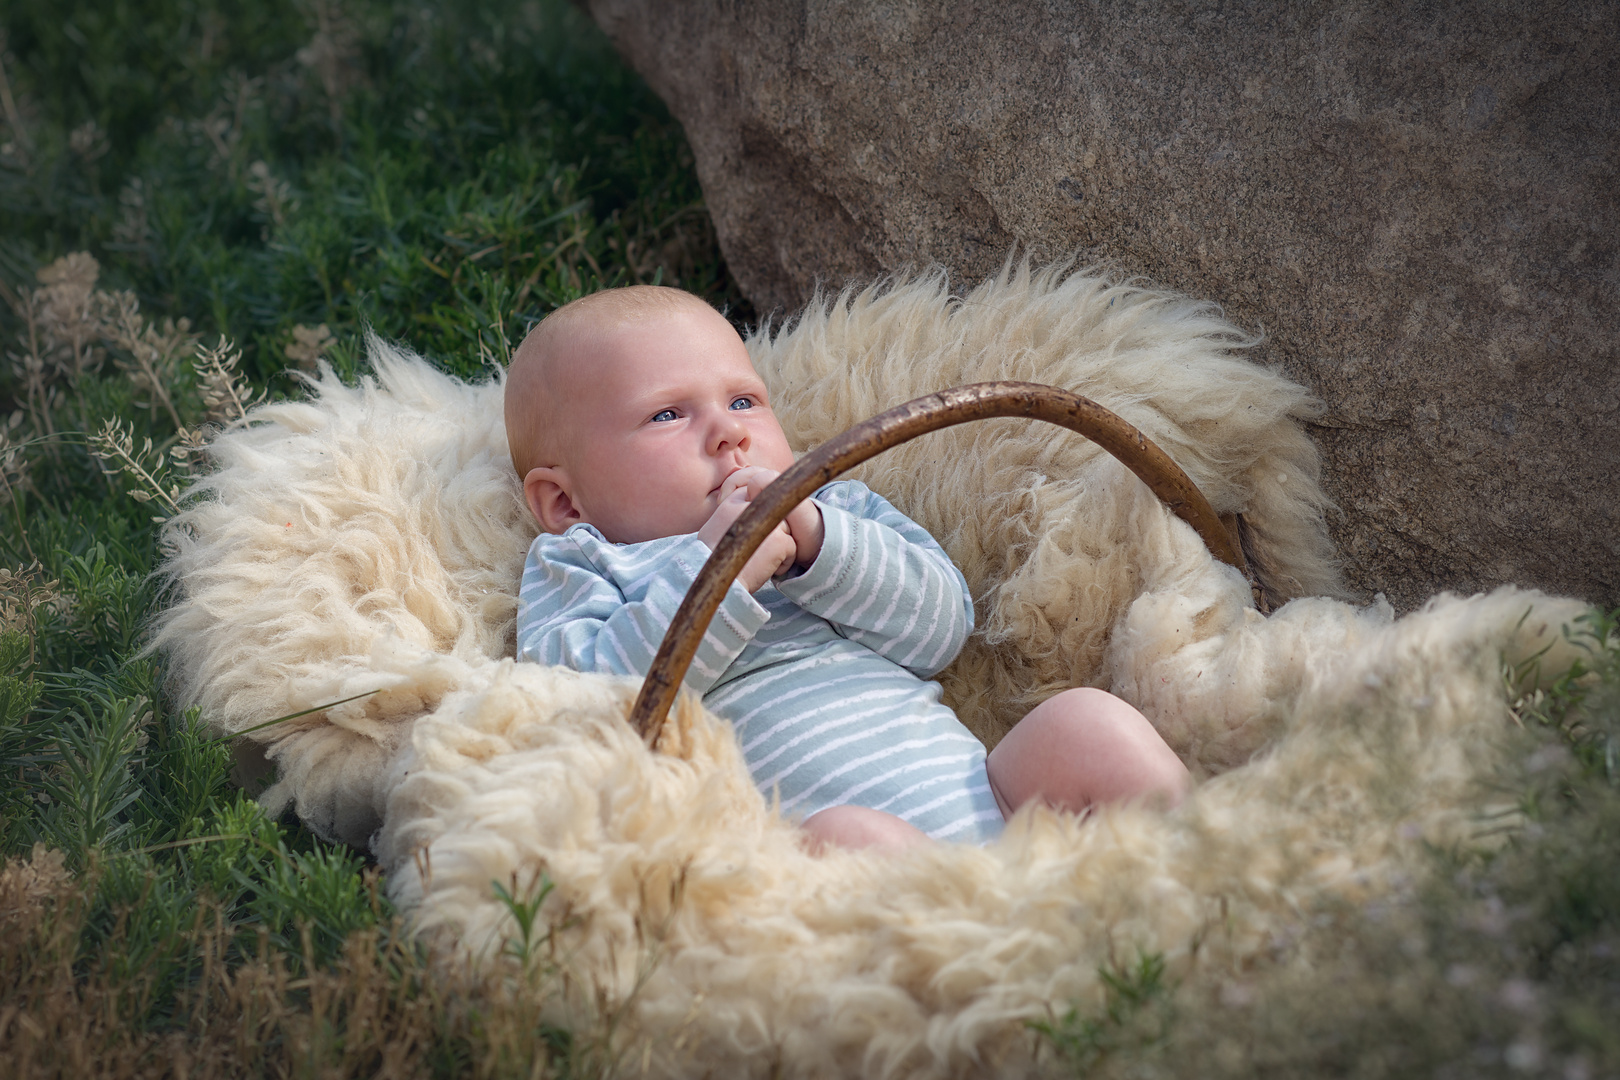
<point x="1082" y="747"/>
<point x="1086" y="704"/>
<point x="860" y="827"/>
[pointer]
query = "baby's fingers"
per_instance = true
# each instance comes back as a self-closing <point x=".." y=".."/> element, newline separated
<point x="772" y="557"/>
<point x="729" y="510"/>
<point x="790" y="551"/>
<point x="751" y="478"/>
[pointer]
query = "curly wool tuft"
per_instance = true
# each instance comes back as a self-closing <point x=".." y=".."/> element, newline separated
<point x="372" y="538"/>
<point x="1038" y="518"/>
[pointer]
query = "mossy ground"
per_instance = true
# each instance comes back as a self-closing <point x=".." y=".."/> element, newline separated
<point x="285" y="176"/>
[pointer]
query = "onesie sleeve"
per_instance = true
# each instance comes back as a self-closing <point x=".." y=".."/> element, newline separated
<point x="883" y="581"/>
<point x="595" y="606"/>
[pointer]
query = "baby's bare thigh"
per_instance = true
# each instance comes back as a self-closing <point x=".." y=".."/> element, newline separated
<point x="860" y="827"/>
<point x="1083" y="747"/>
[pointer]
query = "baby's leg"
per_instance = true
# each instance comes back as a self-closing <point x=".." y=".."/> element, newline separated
<point x="1082" y="747"/>
<point x="859" y="827"/>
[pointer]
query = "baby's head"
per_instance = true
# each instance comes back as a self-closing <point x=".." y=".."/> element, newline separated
<point x="627" y="409"/>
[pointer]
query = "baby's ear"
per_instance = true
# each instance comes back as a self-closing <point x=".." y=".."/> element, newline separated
<point x="548" y="493"/>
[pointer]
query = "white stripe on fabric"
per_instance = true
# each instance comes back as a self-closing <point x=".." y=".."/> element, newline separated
<point x="909" y="744"/>
<point x="843" y="720"/>
<point x="732" y="693"/>
<point x="918" y="811"/>
<point x="966" y="823"/>
<point x="825" y="714"/>
<point x="798" y="719"/>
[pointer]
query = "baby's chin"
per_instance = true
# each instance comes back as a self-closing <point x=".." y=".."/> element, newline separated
<point x="639" y="532"/>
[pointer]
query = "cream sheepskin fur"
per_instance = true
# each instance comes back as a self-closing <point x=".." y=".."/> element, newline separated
<point x="1041" y="521"/>
<point x="372" y="537"/>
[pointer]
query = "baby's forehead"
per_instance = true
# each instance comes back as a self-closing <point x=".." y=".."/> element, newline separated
<point x="589" y="348"/>
<point x="596" y="328"/>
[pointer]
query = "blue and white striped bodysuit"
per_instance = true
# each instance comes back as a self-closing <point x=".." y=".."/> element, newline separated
<point x="822" y="675"/>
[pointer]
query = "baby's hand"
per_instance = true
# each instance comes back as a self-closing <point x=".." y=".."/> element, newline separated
<point x="803" y="521"/>
<point x="772" y="557"/>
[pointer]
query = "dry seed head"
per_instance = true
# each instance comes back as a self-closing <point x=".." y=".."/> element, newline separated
<point x="77" y="269"/>
<point x="88" y="141"/>
<point x="225" y="397"/>
<point x="13" y="465"/>
<point x="332" y="53"/>
<point x="67" y="317"/>
<point x="132" y="228"/>
<point x="153" y="352"/>
<point x="188" y="450"/>
<point x="275" y="199"/>
<point x="25" y="887"/>
<point x="24" y="591"/>
<point x="309" y="344"/>
<point x="114" y="447"/>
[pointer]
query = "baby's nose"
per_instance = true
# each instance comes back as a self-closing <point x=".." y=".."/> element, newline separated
<point x="728" y="433"/>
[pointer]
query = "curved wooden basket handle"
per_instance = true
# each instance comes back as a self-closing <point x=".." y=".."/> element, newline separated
<point x="978" y="401"/>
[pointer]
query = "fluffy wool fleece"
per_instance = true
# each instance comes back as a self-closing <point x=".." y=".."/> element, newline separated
<point x="372" y="537"/>
<point x="1042" y="522"/>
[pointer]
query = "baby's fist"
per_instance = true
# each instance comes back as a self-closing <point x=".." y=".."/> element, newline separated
<point x="804" y="522"/>
<point x="772" y="557"/>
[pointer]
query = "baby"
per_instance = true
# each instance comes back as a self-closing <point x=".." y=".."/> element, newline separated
<point x="641" y="431"/>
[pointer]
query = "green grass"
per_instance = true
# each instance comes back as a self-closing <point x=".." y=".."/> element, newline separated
<point x="447" y="175"/>
<point x="285" y="176"/>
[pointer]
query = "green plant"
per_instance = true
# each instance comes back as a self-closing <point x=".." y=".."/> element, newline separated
<point x="200" y="203"/>
<point x="1135" y="1020"/>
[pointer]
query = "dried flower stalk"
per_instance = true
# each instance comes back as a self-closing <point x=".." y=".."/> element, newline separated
<point x="275" y="199"/>
<point x="309" y="345"/>
<point x="23" y="593"/>
<point x="114" y="447"/>
<point x="154" y="353"/>
<point x="223" y="394"/>
<point x="13" y="466"/>
<point x="132" y="228"/>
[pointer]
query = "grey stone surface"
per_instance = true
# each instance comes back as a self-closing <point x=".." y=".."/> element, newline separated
<point x="1416" y="203"/>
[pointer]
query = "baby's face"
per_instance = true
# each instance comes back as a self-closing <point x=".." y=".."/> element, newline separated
<point x="660" y="412"/>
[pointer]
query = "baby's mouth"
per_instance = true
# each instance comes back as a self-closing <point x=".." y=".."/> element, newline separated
<point x="714" y="491"/>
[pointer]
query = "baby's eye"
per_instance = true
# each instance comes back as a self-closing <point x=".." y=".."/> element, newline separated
<point x="742" y="403"/>
<point x="664" y="416"/>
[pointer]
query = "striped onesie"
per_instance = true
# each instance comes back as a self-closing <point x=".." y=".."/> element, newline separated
<point x="822" y="674"/>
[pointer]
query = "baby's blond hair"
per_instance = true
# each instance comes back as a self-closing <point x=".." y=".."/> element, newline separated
<point x="531" y="386"/>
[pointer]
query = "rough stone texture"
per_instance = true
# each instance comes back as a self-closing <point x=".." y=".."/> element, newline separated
<point x="1417" y="204"/>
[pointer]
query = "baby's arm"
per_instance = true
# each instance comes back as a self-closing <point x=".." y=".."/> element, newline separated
<point x="573" y="607"/>
<point x="881" y="580"/>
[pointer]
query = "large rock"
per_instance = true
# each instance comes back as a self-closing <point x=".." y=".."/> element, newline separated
<point x="1416" y="206"/>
